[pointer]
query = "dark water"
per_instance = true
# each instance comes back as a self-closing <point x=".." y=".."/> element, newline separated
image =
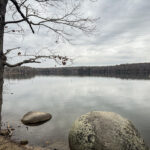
<point x="66" y="98"/>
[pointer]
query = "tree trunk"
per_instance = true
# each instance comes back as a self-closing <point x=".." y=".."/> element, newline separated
<point x="3" y="4"/>
<point x="1" y="92"/>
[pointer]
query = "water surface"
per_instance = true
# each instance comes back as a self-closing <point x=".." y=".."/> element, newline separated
<point x="66" y="98"/>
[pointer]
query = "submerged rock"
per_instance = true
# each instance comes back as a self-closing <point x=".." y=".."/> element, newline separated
<point x="4" y="132"/>
<point x="35" y="118"/>
<point x="24" y="142"/>
<point x="104" y="131"/>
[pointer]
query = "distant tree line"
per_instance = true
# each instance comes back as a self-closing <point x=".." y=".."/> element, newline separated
<point x="138" y="70"/>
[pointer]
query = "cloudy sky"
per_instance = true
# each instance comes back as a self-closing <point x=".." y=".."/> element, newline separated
<point x="123" y="35"/>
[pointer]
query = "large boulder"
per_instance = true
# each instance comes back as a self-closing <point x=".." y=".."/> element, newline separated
<point x="35" y="118"/>
<point x="104" y="131"/>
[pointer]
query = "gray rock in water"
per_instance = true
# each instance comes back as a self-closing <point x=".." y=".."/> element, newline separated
<point x="35" y="118"/>
<point x="24" y="142"/>
<point x="104" y="131"/>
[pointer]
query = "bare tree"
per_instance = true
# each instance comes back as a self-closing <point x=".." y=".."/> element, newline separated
<point x="66" y="18"/>
<point x="36" y="14"/>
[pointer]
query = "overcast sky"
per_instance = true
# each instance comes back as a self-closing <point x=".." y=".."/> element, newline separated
<point x="123" y="35"/>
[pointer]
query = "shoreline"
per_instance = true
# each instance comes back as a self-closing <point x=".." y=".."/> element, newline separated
<point x="8" y="144"/>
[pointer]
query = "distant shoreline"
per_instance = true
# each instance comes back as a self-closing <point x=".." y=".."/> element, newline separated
<point x="125" y="71"/>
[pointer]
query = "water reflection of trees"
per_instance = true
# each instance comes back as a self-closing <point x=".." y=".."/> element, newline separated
<point x="79" y="74"/>
<point x="19" y="76"/>
<point x="125" y="71"/>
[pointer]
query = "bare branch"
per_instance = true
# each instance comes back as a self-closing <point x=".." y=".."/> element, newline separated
<point x="42" y="1"/>
<point x="9" y="50"/>
<point x="34" y="59"/>
<point x="31" y="60"/>
<point x="16" y="21"/>
<point x="60" y="23"/>
<point x="21" y="13"/>
<point x="71" y="18"/>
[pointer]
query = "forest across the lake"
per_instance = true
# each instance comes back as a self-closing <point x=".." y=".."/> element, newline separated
<point x="129" y="71"/>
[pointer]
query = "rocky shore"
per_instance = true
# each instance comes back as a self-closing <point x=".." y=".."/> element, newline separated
<point x="92" y="131"/>
<point x="7" y="144"/>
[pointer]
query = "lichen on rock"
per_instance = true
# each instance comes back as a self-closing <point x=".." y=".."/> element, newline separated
<point x="104" y="131"/>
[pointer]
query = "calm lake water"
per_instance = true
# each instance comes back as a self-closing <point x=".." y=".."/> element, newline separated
<point x="66" y="98"/>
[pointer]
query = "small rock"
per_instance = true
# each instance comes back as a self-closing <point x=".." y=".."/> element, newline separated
<point x="36" y="118"/>
<point x="24" y="142"/>
<point x="12" y="129"/>
<point x="47" y="142"/>
<point x="4" y="132"/>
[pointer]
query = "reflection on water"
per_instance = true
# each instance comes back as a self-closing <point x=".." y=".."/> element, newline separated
<point x="66" y="98"/>
<point x="83" y="74"/>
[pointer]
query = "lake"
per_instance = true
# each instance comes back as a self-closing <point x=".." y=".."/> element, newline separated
<point x="66" y="98"/>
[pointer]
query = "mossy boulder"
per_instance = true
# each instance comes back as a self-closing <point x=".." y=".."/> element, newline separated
<point x="104" y="131"/>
